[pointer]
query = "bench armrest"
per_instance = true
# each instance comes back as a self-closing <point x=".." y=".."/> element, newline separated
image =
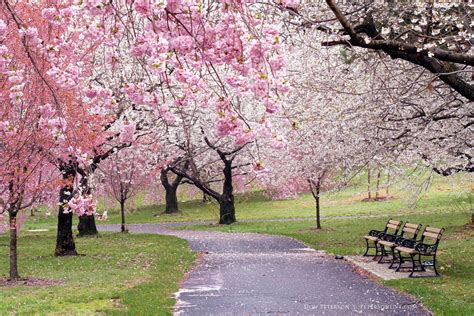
<point x="408" y="243"/>
<point x="391" y="237"/>
<point x="375" y="233"/>
<point x="425" y="248"/>
<point x="399" y="240"/>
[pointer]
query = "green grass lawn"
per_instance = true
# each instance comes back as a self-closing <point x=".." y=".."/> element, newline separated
<point x="119" y="274"/>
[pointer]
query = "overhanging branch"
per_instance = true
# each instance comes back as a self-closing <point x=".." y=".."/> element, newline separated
<point x="438" y="61"/>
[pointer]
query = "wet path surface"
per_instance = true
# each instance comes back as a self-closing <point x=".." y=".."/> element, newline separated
<point x="254" y="274"/>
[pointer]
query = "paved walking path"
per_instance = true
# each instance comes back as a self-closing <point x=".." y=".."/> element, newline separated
<point x="254" y="274"/>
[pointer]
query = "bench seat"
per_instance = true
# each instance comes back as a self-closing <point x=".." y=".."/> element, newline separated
<point x="373" y="238"/>
<point x="387" y="243"/>
<point x="406" y="250"/>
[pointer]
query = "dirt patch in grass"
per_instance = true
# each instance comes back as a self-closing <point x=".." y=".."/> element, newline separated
<point x="465" y="234"/>
<point x="379" y="199"/>
<point x="4" y="282"/>
<point x="117" y="303"/>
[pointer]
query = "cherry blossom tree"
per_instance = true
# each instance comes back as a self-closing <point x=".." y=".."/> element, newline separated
<point x="127" y="172"/>
<point x="334" y="122"/>
<point x="204" y="156"/>
<point x="435" y="36"/>
<point x="227" y="158"/>
<point x="421" y="55"/>
<point x="53" y="55"/>
<point x="180" y="55"/>
<point x="209" y="57"/>
<point x="43" y="120"/>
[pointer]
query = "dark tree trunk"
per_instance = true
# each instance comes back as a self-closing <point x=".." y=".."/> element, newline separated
<point x="227" y="209"/>
<point x="171" y="189"/>
<point x="388" y="184"/>
<point x="205" y="198"/>
<point x="369" y="192"/>
<point x="318" y="209"/>
<point x="86" y="226"/>
<point x="14" y="276"/>
<point x="65" y="242"/>
<point x="315" y="188"/>
<point x="123" y="228"/>
<point x="171" y="199"/>
<point x="226" y="200"/>
<point x="377" y="195"/>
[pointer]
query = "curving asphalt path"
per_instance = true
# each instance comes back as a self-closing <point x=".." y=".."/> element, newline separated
<point x="254" y="274"/>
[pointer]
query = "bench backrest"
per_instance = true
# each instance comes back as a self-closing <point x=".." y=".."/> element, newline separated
<point x="412" y="229"/>
<point x="432" y="233"/>
<point x="392" y="224"/>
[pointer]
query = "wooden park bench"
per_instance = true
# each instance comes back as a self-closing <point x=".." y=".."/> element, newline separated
<point x="392" y="227"/>
<point x="389" y="242"/>
<point x="417" y="249"/>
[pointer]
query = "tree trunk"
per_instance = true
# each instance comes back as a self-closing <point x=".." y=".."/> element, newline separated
<point x="368" y="184"/>
<point x="86" y="226"/>
<point x="318" y="209"/>
<point x="123" y="228"/>
<point x="171" y="199"/>
<point x="377" y="195"/>
<point x="14" y="276"/>
<point x="227" y="209"/>
<point x="205" y="198"/>
<point x="388" y="184"/>
<point x="65" y="242"/>
<point x="226" y="200"/>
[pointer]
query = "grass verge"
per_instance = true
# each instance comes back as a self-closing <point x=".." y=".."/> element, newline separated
<point x="119" y="274"/>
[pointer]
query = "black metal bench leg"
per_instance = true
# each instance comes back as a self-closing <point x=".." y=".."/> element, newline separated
<point x="413" y="265"/>
<point x="382" y="251"/>
<point x="383" y="254"/>
<point x="367" y="249"/>
<point x="400" y="261"/>
<point x="377" y="250"/>
<point x="393" y="259"/>
<point x="434" y="265"/>
<point x="421" y="265"/>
